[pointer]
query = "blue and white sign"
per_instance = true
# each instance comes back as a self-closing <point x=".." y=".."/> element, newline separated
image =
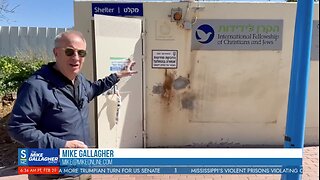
<point x="204" y="34"/>
<point x="180" y="157"/>
<point x="181" y="161"/>
<point x="118" y="9"/>
<point x="38" y="157"/>
<point x="23" y="157"/>
<point x="117" y="64"/>
<point x="182" y="170"/>
<point x="237" y="34"/>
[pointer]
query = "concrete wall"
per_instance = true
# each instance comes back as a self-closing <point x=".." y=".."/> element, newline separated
<point x="35" y="41"/>
<point x="238" y="97"/>
<point x="215" y="98"/>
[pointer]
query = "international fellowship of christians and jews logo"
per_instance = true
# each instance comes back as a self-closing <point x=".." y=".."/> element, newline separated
<point x="205" y="34"/>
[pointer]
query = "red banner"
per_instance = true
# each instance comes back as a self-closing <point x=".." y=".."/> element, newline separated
<point x="38" y="170"/>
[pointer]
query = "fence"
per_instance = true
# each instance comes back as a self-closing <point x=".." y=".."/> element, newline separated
<point x="35" y="41"/>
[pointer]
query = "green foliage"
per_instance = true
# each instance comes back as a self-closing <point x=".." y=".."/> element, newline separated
<point x="13" y="71"/>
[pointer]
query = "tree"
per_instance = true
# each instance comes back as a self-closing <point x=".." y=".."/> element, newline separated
<point x="6" y="9"/>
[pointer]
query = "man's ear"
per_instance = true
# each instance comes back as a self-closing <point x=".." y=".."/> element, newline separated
<point x="54" y="50"/>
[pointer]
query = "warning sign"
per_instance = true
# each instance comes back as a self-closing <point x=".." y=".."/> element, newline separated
<point x="165" y="59"/>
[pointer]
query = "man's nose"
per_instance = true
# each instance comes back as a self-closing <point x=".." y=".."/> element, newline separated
<point x="76" y="55"/>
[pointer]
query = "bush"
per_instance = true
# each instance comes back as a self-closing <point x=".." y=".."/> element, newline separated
<point x="14" y="71"/>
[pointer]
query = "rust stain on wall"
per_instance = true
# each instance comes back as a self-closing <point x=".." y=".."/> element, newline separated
<point x="167" y="86"/>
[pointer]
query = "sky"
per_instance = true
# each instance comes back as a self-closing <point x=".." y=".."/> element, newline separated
<point x="40" y="13"/>
<point x="47" y="13"/>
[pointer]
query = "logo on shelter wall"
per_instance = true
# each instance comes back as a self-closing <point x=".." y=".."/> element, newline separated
<point x="205" y="34"/>
<point x="237" y="34"/>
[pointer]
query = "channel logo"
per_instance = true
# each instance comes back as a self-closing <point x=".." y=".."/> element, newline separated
<point x="38" y="157"/>
<point x="204" y="34"/>
<point x="22" y="157"/>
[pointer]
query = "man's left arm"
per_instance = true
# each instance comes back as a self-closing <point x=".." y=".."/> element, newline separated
<point x="100" y="86"/>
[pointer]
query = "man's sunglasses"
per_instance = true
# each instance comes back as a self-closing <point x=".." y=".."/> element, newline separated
<point x="71" y="51"/>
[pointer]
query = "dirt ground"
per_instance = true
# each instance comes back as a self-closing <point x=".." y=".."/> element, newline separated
<point x="8" y="148"/>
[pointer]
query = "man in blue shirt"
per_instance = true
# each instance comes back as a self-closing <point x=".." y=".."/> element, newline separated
<point x="52" y="106"/>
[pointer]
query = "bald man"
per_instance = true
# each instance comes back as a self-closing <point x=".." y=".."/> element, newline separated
<point x="52" y="106"/>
